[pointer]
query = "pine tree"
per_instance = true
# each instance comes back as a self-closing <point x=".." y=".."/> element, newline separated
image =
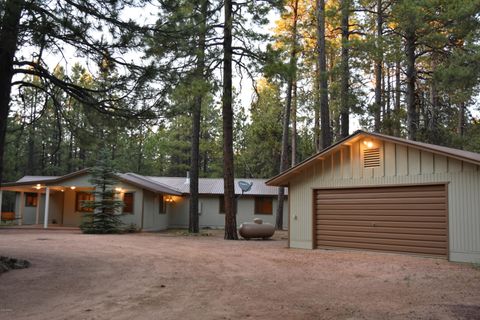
<point x="106" y="204"/>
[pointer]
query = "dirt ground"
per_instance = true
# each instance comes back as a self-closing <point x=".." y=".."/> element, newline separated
<point x="173" y="276"/>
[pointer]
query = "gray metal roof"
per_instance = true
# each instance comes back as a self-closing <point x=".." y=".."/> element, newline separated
<point x="215" y="186"/>
<point x="166" y="185"/>
<point x="145" y="183"/>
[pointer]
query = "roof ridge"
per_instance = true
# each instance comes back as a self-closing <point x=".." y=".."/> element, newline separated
<point x="139" y="176"/>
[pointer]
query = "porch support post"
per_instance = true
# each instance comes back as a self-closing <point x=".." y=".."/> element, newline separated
<point x="47" y="203"/>
<point x="37" y="210"/>
<point x="22" y="208"/>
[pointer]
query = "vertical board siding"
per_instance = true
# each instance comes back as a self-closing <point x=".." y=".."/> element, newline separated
<point x="401" y="166"/>
<point x="454" y="165"/>
<point x="426" y="162"/>
<point x="389" y="159"/>
<point x="337" y="165"/>
<point x="413" y="161"/>
<point x="441" y="165"/>
<point x="401" y="160"/>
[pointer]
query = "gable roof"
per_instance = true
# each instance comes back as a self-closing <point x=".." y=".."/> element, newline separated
<point x="29" y="180"/>
<point x="467" y="156"/>
<point x="165" y="185"/>
<point x="144" y="183"/>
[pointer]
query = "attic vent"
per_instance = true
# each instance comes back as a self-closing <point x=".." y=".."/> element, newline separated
<point x="371" y="158"/>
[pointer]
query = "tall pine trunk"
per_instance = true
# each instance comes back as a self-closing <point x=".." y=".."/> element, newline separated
<point x="345" y="72"/>
<point x="396" y="126"/>
<point x="286" y="115"/>
<point x="193" y="225"/>
<point x="227" y="116"/>
<point x="326" y="133"/>
<point x="378" y="68"/>
<point x="412" y="115"/>
<point x="12" y="11"/>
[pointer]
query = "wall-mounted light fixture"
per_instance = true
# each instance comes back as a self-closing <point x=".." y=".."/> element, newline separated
<point x="72" y="187"/>
<point x="169" y="199"/>
<point x="368" y="143"/>
<point x="38" y="186"/>
<point x="118" y="189"/>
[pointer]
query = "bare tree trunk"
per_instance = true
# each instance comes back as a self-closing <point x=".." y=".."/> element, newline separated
<point x="378" y="69"/>
<point x="396" y="127"/>
<point x="193" y="225"/>
<point x="433" y="107"/>
<point x="388" y="102"/>
<point x="286" y="117"/>
<point x="323" y="77"/>
<point x="412" y="115"/>
<point x="227" y="115"/>
<point x="345" y="72"/>
<point x="316" y="117"/>
<point x="461" y="120"/>
<point x="294" y="122"/>
<point x="9" y="28"/>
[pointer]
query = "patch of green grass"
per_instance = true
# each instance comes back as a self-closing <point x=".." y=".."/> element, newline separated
<point x="476" y="266"/>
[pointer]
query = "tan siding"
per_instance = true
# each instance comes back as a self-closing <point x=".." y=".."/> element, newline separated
<point x="389" y="159"/>
<point x="454" y="165"/>
<point x="337" y="169"/>
<point x="468" y="166"/>
<point x="327" y="167"/>
<point x="440" y="162"/>
<point x="356" y="162"/>
<point x="346" y="163"/>
<point x="426" y="161"/>
<point x="401" y="160"/>
<point x="413" y="161"/>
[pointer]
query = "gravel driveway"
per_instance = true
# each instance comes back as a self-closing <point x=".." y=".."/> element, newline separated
<point x="172" y="276"/>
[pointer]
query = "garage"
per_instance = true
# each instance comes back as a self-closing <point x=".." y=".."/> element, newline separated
<point x="375" y="192"/>
<point x="411" y="219"/>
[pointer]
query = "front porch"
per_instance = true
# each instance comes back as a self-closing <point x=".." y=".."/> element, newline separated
<point x="41" y="206"/>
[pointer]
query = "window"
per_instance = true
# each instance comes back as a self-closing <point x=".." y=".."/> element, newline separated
<point x="81" y="198"/>
<point x="162" y="209"/>
<point x="128" y="202"/>
<point x="263" y="205"/>
<point x="31" y="200"/>
<point x="221" y="202"/>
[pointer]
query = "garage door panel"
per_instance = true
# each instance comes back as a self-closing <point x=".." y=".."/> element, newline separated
<point x="411" y="231"/>
<point x="392" y="190"/>
<point x="406" y="219"/>
<point x="392" y="212"/>
<point x="380" y="195"/>
<point x="384" y="241"/>
<point x="398" y="218"/>
<point x="387" y="248"/>
<point x="384" y="235"/>
<point x="384" y="224"/>
<point x="376" y="201"/>
<point x="386" y="206"/>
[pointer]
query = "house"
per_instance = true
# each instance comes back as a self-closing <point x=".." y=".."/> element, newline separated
<point x="150" y="203"/>
<point x="371" y="191"/>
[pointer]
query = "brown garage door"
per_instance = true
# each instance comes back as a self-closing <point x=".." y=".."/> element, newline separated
<point x="402" y="219"/>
